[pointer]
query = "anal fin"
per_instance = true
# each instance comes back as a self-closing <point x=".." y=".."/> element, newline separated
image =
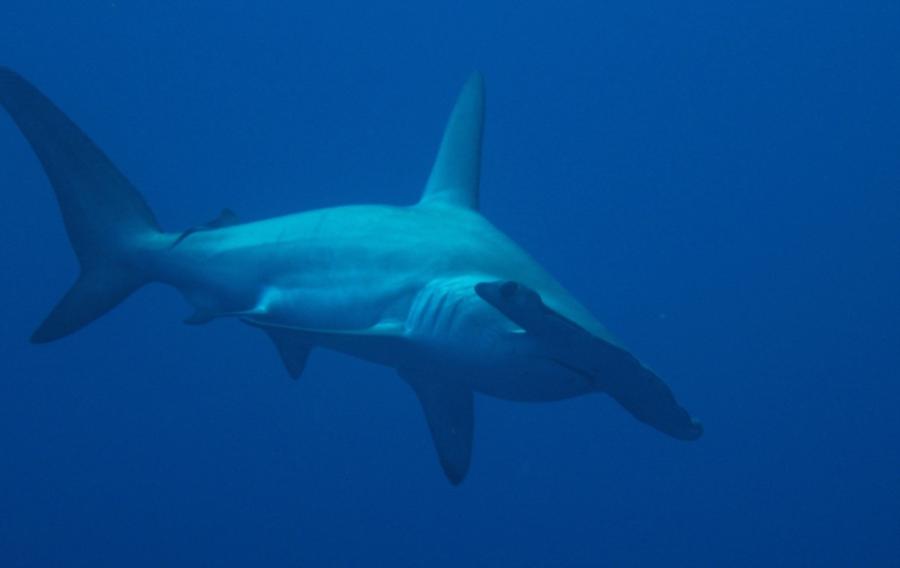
<point x="448" y="408"/>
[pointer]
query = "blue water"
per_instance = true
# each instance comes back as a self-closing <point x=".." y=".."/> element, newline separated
<point x="719" y="184"/>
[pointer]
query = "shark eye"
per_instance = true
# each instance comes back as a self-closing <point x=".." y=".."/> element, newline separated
<point x="508" y="289"/>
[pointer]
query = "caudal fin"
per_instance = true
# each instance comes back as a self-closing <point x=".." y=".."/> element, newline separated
<point x="105" y="217"/>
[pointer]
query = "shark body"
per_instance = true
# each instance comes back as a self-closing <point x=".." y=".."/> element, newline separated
<point x="433" y="290"/>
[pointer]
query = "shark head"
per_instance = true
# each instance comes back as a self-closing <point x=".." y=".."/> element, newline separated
<point x="525" y="307"/>
<point x="608" y="367"/>
<point x="511" y="295"/>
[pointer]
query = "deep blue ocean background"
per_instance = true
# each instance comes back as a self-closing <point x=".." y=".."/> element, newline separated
<point x="718" y="182"/>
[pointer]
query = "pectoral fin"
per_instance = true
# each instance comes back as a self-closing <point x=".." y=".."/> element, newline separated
<point x="448" y="408"/>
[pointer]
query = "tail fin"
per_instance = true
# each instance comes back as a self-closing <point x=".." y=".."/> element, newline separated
<point x="104" y="214"/>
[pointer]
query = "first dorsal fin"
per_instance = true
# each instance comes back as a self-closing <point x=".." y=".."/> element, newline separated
<point x="457" y="168"/>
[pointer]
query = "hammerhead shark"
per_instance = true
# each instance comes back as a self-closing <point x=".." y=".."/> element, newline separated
<point x="433" y="290"/>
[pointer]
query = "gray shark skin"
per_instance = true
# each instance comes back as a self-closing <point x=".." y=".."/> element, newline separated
<point x="432" y="290"/>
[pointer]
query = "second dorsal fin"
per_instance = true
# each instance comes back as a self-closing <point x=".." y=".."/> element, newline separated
<point x="226" y="218"/>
